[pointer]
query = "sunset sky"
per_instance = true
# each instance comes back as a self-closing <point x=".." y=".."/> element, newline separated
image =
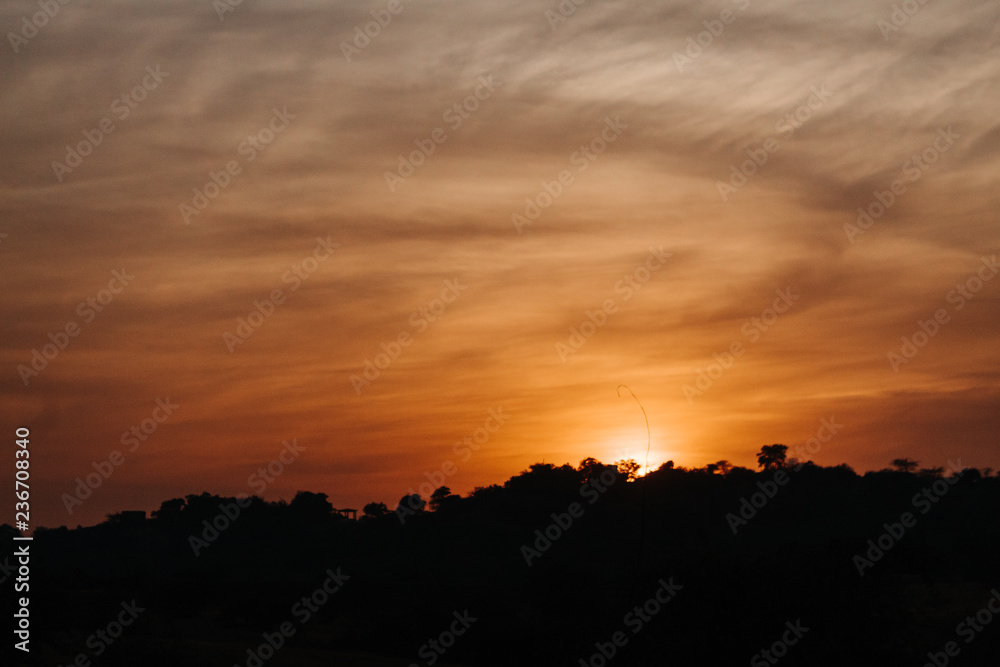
<point x="624" y="126"/>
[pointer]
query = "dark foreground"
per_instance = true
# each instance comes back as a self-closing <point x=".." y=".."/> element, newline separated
<point x="559" y="566"/>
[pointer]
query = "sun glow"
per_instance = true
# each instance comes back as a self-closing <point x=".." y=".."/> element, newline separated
<point x="630" y="443"/>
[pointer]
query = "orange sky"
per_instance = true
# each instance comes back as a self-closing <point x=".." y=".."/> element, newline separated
<point x="621" y="133"/>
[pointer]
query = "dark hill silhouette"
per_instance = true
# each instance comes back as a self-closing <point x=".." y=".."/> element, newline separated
<point x="751" y="552"/>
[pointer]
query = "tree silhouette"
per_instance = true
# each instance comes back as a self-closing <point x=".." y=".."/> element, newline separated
<point x="722" y="467"/>
<point x="311" y="506"/>
<point x="393" y="567"/>
<point x="410" y="503"/>
<point x="628" y="467"/>
<point x="772" y="457"/>
<point x="905" y="465"/>
<point x="442" y="498"/>
<point x="589" y="467"/>
<point x="375" y="510"/>
<point x="169" y="509"/>
<point x="8" y="532"/>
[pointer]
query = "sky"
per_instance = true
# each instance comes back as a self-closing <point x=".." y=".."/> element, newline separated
<point x="382" y="244"/>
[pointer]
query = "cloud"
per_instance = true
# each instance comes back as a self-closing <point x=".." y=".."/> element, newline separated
<point x="657" y="184"/>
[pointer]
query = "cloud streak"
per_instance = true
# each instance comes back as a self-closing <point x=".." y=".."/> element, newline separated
<point x="657" y="185"/>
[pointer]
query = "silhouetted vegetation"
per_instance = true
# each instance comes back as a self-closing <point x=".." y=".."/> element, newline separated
<point x="751" y="551"/>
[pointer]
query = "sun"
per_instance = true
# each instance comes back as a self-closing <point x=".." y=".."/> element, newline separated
<point x="629" y="443"/>
<point x="625" y="432"/>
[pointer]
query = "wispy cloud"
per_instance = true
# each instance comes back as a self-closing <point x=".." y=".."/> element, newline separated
<point x="657" y="184"/>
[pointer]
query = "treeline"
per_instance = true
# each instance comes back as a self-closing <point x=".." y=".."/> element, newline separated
<point x="558" y="565"/>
